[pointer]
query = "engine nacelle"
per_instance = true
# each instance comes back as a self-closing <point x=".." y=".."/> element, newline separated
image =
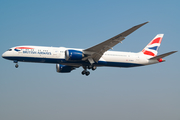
<point x="73" y="55"/>
<point x="63" y="68"/>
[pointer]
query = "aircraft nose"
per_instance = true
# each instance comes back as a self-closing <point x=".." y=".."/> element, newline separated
<point x="4" y="55"/>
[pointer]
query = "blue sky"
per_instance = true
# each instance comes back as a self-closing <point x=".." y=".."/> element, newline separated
<point x="37" y="91"/>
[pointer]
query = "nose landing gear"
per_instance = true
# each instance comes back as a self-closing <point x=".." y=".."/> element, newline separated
<point x="16" y="63"/>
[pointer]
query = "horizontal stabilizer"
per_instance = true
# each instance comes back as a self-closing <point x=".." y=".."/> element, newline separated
<point x="162" y="56"/>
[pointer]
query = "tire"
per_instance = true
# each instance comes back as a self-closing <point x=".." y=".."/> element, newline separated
<point x="87" y="73"/>
<point x="83" y="72"/>
<point x="16" y="65"/>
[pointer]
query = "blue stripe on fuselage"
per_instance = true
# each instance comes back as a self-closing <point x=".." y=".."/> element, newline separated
<point x="63" y="61"/>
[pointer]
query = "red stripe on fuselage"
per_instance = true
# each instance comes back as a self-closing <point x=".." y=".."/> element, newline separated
<point x="23" y="48"/>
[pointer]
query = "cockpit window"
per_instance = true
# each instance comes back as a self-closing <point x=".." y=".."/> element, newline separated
<point x="9" y="49"/>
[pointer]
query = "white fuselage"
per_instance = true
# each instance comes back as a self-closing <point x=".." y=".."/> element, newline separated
<point x="56" y="55"/>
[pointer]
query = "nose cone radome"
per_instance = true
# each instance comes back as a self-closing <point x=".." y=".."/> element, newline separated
<point x="4" y="55"/>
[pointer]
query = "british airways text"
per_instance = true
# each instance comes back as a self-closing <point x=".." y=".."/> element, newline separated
<point x="34" y="52"/>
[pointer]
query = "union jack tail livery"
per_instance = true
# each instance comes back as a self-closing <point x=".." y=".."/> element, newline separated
<point x="151" y="49"/>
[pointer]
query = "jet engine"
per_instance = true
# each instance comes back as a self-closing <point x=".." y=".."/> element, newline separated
<point x="63" y="68"/>
<point x="73" y="55"/>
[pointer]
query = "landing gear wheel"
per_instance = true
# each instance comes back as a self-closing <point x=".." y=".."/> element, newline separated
<point x="83" y="72"/>
<point x="94" y="68"/>
<point x="87" y="73"/>
<point x="16" y="65"/>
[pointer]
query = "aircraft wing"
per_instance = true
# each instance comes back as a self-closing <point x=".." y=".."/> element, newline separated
<point x="94" y="53"/>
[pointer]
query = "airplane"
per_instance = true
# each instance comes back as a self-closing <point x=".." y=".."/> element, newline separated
<point x="68" y="59"/>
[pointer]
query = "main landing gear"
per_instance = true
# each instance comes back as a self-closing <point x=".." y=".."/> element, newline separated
<point x="85" y="71"/>
<point x="16" y="63"/>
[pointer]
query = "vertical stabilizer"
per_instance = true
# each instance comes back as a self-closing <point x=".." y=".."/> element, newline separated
<point x="151" y="49"/>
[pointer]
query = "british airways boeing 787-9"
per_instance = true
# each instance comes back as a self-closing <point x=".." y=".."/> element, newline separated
<point x="68" y="59"/>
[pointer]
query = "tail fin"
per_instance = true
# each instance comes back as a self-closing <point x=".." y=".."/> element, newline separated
<point x="151" y="49"/>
